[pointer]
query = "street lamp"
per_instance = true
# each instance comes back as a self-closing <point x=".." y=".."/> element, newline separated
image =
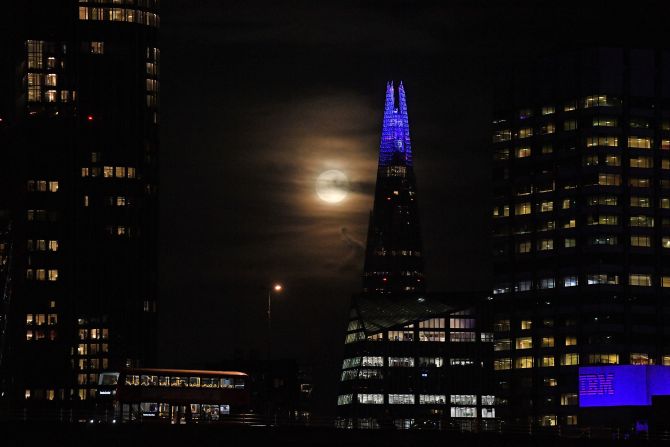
<point x="275" y="288"/>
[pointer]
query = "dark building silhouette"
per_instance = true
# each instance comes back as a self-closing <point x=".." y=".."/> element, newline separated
<point x="412" y="359"/>
<point x="581" y="228"/>
<point x="78" y="204"/>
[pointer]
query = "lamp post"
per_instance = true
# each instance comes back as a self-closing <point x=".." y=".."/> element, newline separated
<point x="276" y="288"/>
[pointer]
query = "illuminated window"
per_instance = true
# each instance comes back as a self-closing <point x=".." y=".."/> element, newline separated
<point x="502" y="345"/>
<point x="432" y="399"/>
<point x="570" y="242"/>
<point x="401" y="362"/>
<point x="612" y="160"/>
<point x="526" y="324"/>
<point x="53" y="274"/>
<point x="548" y="110"/>
<point x="34" y="87"/>
<point x="602" y="278"/>
<point x="546" y="283"/>
<point x="638" y="358"/>
<point x="665" y="242"/>
<point x="548" y="361"/>
<point x="640" y="241"/>
<point x="120" y="172"/>
<point x="461" y="323"/>
<point x="463" y="399"/>
<point x="570" y="106"/>
<point x="665" y="281"/>
<point x="547" y="128"/>
<point x="570" y="359"/>
<point x="545" y="244"/>
<point x="665" y="163"/>
<point x="641" y="162"/>
<point x="639" y="142"/>
<point x="501" y="326"/>
<point x="524" y="343"/>
<point x="571" y="419"/>
<point x="590" y="160"/>
<point x="97" y="48"/>
<point x="570" y="281"/>
<point x="526" y="132"/>
<point x="546" y="206"/>
<point x="463" y="412"/>
<point x="522" y="152"/>
<point x="501" y="211"/>
<point x="35" y="50"/>
<point x="108" y="171"/>
<point x="131" y="172"/>
<point x="439" y="336"/>
<point x="502" y="135"/>
<point x="522" y="208"/>
<point x="665" y="145"/>
<point x="523" y="362"/>
<point x="599" y="101"/>
<point x="602" y="141"/>
<point x="502" y="364"/>
<point x="642" y="221"/>
<point x="609" y="179"/>
<point x="51" y="80"/>
<point x="638" y="182"/>
<point x="570" y="125"/>
<point x="636" y="279"/>
<point x="569" y="399"/>
<point x="401" y="399"/>
<point x="550" y="381"/>
<point x="604" y="122"/>
<point x="462" y="337"/>
<point x="604" y="359"/>
<point x="547" y="342"/>
<point x="642" y="202"/>
<point x="602" y="219"/>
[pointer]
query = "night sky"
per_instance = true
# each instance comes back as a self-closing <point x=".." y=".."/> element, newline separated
<point x="258" y="98"/>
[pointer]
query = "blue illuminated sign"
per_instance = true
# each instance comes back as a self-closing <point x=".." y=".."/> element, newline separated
<point x="622" y="385"/>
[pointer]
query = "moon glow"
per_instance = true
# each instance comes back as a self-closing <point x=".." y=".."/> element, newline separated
<point x="332" y="186"/>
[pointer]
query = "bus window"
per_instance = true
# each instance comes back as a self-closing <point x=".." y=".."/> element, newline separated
<point x="226" y="383"/>
<point x="177" y="381"/>
<point x="132" y="380"/>
<point x="239" y="383"/>
<point x="163" y="381"/>
<point x="149" y="380"/>
<point x="208" y="382"/>
<point x="194" y="381"/>
<point x="108" y="378"/>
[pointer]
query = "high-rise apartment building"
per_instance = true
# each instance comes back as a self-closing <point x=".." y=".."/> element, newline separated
<point x="581" y="223"/>
<point x="412" y="359"/>
<point x="79" y="135"/>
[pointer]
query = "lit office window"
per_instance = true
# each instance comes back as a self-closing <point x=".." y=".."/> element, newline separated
<point x="641" y="162"/>
<point x="546" y="283"/>
<point x="502" y="135"/>
<point x="374" y="399"/>
<point x="569" y="399"/>
<point x="570" y="359"/>
<point x="547" y="342"/>
<point x="526" y="325"/>
<point x="524" y="343"/>
<point x="522" y="208"/>
<point x="602" y="278"/>
<point x="604" y="121"/>
<point x="523" y="362"/>
<point x="463" y="412"/>
<point x="639" y="142"/>
<point x="432" y="399"/>
<point x="603" y="359"/>
<point x="502" y="364"/>
<point x="570" y="281"/>
<point x="526" y="132"/>
<point x="502" y="345"/>
<point x="642" y="221"/>
<point x="548" y="110"/>
<point x="523" y="152"/>
<point x="639" y="182"/>
<point x="545" y="244"/>
<point x="603" y="140"/>
<point x="642" y="202"/>
<point x="640" y="241"/>
<point x="639" y="358"/>
<point x="401" y="399"/>
<point x="401" y="362"/>
<point x="637" y="279"/>
<point x="548" y="361"/>
<point x="609" y="179"/>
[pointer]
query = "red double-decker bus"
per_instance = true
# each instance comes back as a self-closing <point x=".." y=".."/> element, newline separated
<point x="175" y="396"/>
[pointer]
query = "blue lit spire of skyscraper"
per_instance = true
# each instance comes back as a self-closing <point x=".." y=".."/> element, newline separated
<point x="393" y="258"/>
<point x="395" y="147"/>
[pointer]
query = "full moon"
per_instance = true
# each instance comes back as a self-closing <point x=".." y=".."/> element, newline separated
<point x="332" y="186"/>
